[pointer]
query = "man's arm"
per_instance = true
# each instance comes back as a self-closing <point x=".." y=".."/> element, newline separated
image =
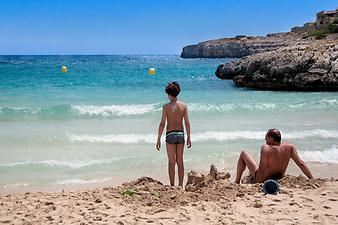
<point x="161" y="128"/>
<point x="295" y="157"/>
<point x="187" y="126"/>
<point x="260" y="174"/>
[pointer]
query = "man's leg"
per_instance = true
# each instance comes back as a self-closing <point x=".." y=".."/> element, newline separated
<point x="171" y="152"/>
<point x="245" y="160"/>
<point x="179" y="161"/>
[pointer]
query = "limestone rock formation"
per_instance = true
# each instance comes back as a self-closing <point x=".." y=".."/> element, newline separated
<point x="305" y="59"/>
<point x="237" y="47"/>
<point x="303" y="67"/>
<point x="240" y="46"/>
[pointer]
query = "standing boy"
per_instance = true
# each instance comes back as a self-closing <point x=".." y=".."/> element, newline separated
<point x="173" y="113"/>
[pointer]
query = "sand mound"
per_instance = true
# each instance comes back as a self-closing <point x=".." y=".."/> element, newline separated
<point x="200" y="187"/>
<point x="198" y="180"/>
<point x="213" y="186"/>
<point x="300" y="182"/>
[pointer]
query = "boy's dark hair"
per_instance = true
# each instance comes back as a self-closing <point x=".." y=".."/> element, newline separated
<point x="173" y="89"/>
<point x="275" y="135"/>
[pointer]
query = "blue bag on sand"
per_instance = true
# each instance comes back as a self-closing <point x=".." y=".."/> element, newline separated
<point x="270" y="187"/>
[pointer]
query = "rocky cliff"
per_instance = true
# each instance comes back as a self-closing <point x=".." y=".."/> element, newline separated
<point x="311" y="66"/>
<point x="305" y="59"/>
<point x="239" y="46"/>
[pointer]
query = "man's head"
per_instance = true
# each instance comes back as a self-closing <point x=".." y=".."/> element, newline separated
<point x="172" y="89"/>
<point x="273" y="136"/>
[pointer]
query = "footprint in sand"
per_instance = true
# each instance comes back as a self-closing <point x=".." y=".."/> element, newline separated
<point x="294" y="203"/>
<point x="5" y="220"/>
<point x="307" y="199"/>
<point x="285" y="219"/>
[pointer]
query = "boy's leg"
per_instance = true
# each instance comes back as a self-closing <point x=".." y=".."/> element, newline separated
<point x="179" y="161"/>
<point x="245" y="160"/>
<point x="171" y="152"/>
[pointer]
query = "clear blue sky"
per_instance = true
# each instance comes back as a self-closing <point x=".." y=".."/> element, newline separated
<point x="141" y="27"/>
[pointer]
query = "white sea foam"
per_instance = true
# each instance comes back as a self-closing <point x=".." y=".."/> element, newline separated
<point x="118" y="138"/>
<point x="73" y="164"/>
<point x="326" y="156"/>
<point x="77" y="181"/>
<point x="15" y="185"/>
<point x="262" y="106"/>
<point x="69" y="111"/>
<point x="312" y="133"/>
<point x="329" y="101"/>
<point x="219" y="136"/>
<point x="226" y="136"/>
<point x="260" y="135"/>
<point x="225" y="107"/>
<point x="114" y="110"/>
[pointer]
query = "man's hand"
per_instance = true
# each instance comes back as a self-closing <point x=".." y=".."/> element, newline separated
<point x="158" y="144"/>
<point x="188" y="143"/>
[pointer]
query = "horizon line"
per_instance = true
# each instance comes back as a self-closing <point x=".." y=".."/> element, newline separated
<point x="89" y="54"/>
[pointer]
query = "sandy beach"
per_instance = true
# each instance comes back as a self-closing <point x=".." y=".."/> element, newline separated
<point x="209" y="199"/>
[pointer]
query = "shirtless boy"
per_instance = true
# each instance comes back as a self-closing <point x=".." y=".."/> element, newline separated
<point x="274" y="160"/>
<point x="173" y="113"/>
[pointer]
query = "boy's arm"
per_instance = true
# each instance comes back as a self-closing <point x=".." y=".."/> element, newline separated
<point x="161" y="128"/>
<point x="300" y="163"/>
<point x="187" y="126"/>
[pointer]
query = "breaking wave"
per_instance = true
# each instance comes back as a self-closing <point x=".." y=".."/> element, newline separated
<point x="326" y="156"/>
<point x="77" y="181"/>
<point x="72" y="164"/>
<point x="111" y="111"/>
<point x="219" y="136"/>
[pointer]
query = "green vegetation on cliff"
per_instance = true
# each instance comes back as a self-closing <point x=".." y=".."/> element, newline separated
<point x="330" y="28"/>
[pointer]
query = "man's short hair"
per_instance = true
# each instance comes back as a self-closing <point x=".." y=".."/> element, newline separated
<point x="173" y="89"/>
<point x="275" y="135"/>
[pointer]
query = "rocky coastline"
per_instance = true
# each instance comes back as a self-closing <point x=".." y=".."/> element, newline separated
<point x="300" y="67"/>
<point x="304" y="59"/>
<point x="239" y="46"/>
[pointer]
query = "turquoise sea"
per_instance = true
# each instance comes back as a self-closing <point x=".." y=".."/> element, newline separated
<point x="97" y="123"/>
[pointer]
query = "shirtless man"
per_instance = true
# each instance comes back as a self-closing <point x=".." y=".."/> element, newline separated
<point x="173" y="113"/>
<point x="275" y="157"/>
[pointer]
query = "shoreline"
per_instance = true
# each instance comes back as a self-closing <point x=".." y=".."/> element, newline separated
<point x="319" y="170"/>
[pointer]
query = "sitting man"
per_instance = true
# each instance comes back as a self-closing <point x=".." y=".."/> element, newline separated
<point x="275" y="157"/>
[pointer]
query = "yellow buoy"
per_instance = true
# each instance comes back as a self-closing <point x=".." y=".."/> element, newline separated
<point x="151" y="71"/>
<point x="64" y="69"/>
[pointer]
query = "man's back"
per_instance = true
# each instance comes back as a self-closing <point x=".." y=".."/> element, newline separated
<point x="274" y="161"/>
<point x="175" y="112"/>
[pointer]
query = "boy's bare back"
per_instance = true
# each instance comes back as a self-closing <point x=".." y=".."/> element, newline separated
<point x="175" y="112"/>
